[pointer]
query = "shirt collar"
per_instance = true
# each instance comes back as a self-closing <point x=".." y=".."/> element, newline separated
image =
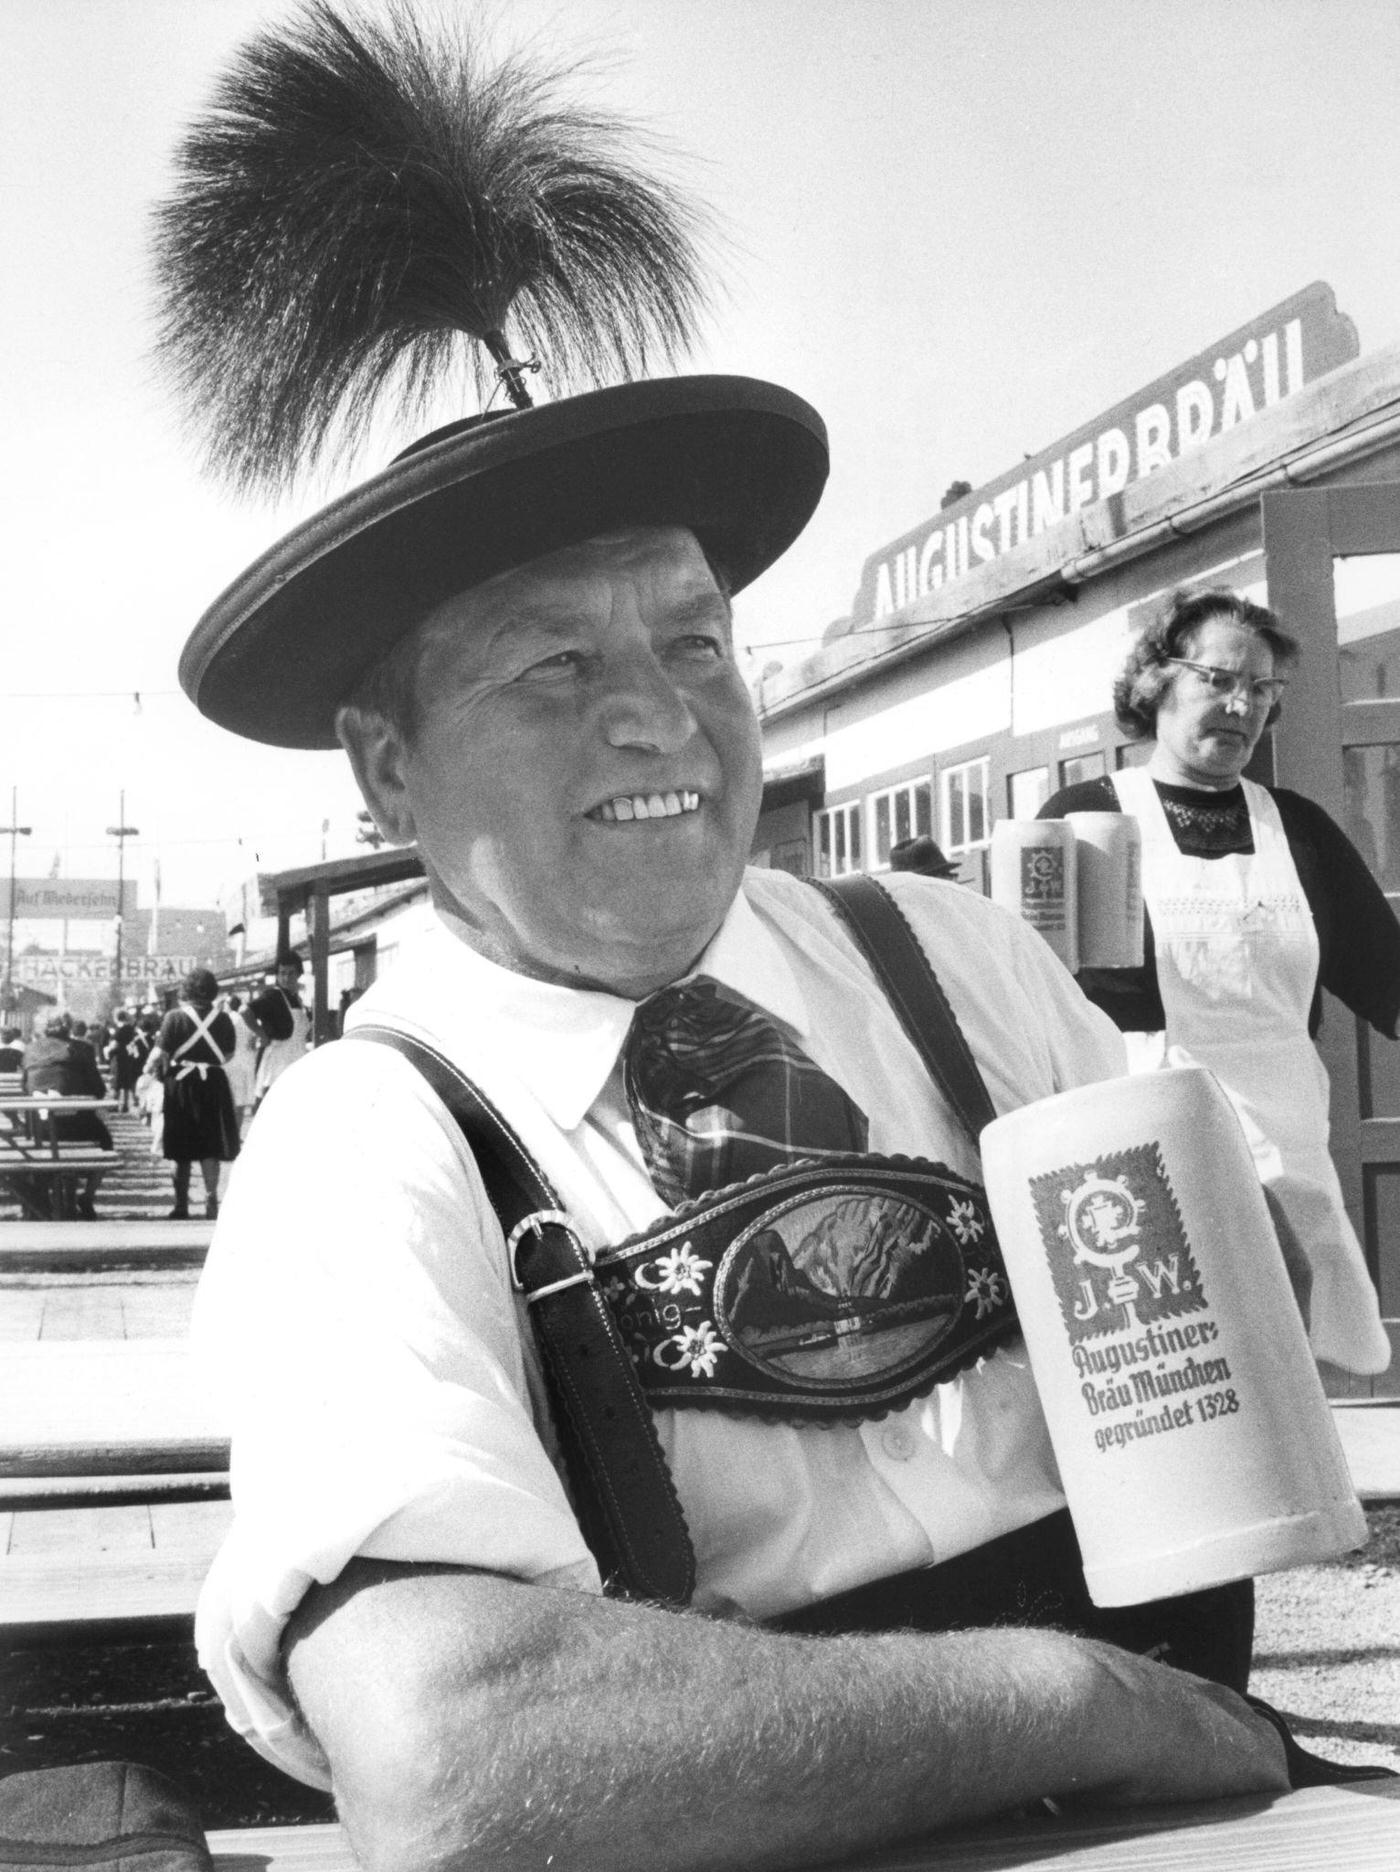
<point x="560" y="1043"/>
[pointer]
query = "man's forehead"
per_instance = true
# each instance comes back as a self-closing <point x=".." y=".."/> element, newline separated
<point x="669" y="557"/>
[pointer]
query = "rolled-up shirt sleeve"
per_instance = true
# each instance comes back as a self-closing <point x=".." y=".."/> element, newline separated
<point x="357" y="1321"/>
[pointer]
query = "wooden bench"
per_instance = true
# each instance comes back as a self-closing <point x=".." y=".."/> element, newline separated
<point x="103" y="1246"/>
<point x="142" y="1303"/>
<point x="38" y="1164"/>
<point x="92" y="1536"/>
<point x="106" y="1407"/>
<point x="50" y="1189"/>
<point x="136" y="1575"/>
<point x="1327" y="1829"/>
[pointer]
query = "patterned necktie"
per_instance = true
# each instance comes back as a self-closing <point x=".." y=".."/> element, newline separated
<point x="718" y="1093"/>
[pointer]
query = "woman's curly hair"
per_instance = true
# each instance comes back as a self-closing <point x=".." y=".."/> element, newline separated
<point x="1147" y="668"/>
<point x="201" y="986"/>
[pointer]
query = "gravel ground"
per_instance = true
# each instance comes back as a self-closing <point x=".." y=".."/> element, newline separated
<point x="1327" y="1654"/>
<point x="1327" y="1649"/>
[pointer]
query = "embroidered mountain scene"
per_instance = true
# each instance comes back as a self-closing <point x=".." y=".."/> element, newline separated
<point x="839" y="1287"/>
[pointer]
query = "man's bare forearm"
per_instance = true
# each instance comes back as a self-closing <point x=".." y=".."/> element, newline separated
<point x="474" y="1722"/>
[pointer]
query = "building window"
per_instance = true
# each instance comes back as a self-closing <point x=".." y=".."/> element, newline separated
<point x="1083" y="767"/>
<point x="900" y="813"/>
<point x="966" y="815"/>
<point x="1028" y="791"/>
<point x="838" y="840"/>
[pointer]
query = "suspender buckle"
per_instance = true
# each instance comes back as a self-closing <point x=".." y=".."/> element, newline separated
<point x="534" y="1224"/>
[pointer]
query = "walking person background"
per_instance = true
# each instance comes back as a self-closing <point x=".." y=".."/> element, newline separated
<point x="148" y="1086"/>
<point x="242" y="1068"/>
<point x="199" y="1123"/>
<point x="127" y="1055"/>
<point x="1255" y="900"/>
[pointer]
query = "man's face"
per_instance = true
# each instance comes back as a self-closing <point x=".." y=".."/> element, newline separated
<point x="586" y="775"/>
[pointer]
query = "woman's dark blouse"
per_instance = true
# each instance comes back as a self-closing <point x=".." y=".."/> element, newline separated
<point x="1358" y="936"/>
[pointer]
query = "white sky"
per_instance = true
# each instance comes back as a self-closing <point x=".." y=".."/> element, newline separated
<point x="959" y="227"/>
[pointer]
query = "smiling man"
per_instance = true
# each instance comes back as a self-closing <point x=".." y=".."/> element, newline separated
<point x="583" y="773"/>
<point x="635" y="1458"/>
<point x="408" y="1609"/>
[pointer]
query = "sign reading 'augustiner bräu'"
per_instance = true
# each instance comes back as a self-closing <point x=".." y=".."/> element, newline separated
<point x="1255" y="367"/>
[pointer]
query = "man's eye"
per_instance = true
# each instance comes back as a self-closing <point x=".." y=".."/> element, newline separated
<point x="560" y="664"/>
<point x="702" y="643"/>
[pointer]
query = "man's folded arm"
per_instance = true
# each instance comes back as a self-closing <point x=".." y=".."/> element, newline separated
<point x="474" y="1721"/>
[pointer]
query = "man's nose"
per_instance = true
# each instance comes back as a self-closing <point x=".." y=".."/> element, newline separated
<point x="643" y="707"/>
<point x="1239" y="700"/>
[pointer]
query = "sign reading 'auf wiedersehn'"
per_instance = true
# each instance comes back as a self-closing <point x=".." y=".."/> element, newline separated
<point x="1257" y="366"/>
<point x="67" y="899"/>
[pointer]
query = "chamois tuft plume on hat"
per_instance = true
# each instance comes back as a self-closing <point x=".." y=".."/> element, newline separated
<point x="368" y="206"/>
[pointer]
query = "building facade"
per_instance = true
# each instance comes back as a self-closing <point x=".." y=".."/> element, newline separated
<point x="974" y="678"/>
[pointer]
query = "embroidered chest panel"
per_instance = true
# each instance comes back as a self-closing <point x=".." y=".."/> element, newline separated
<point x="832" y="1292"/>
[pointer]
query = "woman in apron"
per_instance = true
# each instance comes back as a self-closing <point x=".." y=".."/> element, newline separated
<point x="199" y="1121"/>
<point x="1239" y="881"/>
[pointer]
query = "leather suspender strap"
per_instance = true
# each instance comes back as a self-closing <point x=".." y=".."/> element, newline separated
<point x="624" y="1496"/>
<point x="623" y="1492"/>
<point x="914" y="992"/>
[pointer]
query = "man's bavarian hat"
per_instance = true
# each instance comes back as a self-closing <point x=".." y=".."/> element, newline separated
<point x="366" y="210"/>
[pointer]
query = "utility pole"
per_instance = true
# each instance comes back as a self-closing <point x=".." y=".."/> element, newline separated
<point x="121" y="832"/>
<point x="15" y="831"/>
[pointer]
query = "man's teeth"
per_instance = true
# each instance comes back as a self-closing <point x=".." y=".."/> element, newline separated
<point x="647" y="806"/>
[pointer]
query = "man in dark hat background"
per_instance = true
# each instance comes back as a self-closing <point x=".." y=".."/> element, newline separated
<point x="521" y="635"/>
<point x="924" y="855"/>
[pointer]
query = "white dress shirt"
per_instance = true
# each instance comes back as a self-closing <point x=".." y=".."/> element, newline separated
<point x="378" y="1372"/>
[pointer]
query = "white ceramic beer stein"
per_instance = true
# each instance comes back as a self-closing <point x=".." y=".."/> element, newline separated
<point x="1188" y="1420"/>
<point x="1108" y="870"/>
<point x="1033" y="873"/>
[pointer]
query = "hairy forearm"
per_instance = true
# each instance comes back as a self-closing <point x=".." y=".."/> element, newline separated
<point x="473" y="1722"/>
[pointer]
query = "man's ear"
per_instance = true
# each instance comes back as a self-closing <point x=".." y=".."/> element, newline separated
<point x="376" y="752"/>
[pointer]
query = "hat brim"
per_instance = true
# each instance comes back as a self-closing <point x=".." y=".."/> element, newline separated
<point x="739" y="462"/>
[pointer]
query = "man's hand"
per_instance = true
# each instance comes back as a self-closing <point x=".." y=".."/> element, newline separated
<point x="471" y="1721"/>
<point x="1170" y="1736"/>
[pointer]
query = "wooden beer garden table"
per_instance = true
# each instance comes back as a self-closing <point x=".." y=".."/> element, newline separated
<point x="103" y="1246"/>
<point x="42" y="1168"/>
<point x="113" y="1484"/>
<point x="1333" y="1829"/>
<point x="102" y="1407"/>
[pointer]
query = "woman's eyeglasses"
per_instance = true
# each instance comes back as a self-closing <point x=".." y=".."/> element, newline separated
<point x="1262" y="691"/>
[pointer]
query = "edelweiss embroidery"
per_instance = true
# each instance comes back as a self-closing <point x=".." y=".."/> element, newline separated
<point x="986" y="1289"/>
<point x="965" y="1222"/>
<point x="695" y="1348"/>
<point x="680" y="1271"/>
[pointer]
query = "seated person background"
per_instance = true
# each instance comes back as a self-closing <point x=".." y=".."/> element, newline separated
<point x="55" y="1062"/>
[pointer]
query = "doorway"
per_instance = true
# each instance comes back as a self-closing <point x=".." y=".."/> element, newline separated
<point x="1332" y="558"/>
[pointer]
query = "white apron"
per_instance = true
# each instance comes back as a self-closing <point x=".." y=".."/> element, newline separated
<point x="278" y="1055"/>
<point x="203" y="1023"/>
<point x="1237" y="960"/>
